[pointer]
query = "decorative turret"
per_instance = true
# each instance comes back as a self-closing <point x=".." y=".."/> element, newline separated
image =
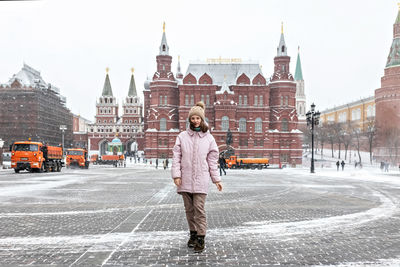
<point x="281" y="50"/>
<point x="298" y="75"/>
<point x="164" y="48"/>
<point x="282" y="60"/>
<point x="132" y="85"/>
<point x="164" y="61"/>
<point x="394" y="54"/>
<point x="179" y="74"/>
<point x="107" y="91"/>
<point x="300" y="95"/>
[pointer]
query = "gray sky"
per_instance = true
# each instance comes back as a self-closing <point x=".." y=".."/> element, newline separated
<point x="343" y="44"/>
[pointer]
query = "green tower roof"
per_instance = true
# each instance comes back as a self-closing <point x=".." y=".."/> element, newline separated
<point x="298" y="75"/>
<point x="107" y="91"/>
<point x="132" y="87"/>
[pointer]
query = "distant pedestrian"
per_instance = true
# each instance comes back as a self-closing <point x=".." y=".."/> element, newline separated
<point x="386" y="166"/>
<point x="382" y="165"/>
<point x="337" y="165"/>
<point x="194" y="152"/>
<point x="355" y="164"/>
<point x="157" y="163"/>
<point x="130" y="158"/>
<point x="165" y="164"/>
<point x="222" y="165"/>
<point x="343" y="163"/>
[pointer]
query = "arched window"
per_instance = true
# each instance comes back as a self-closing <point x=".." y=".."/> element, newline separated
<point x="240" y="100"/>
<point x="163" y="124"/>
<point x="225" y="123"/>
<point x="242" y="125"/>
<point x="161" y="98"/>
<point x="258" y="125"/>
<point x="163" y="47"/>
<point x="285" y="127"/>
<point x="283" y="48"/>
<point x="255" y="100"/>
<point x="281" y="100"/>
<point x="165" y="100"/>
<point x="286" y="100"/>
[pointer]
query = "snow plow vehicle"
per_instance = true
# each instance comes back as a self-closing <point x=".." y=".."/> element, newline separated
<point x="115" y="160"/>
<point x="36" y="156"/>
<point x="233" y="162"/>
<point x="77" y="157"/>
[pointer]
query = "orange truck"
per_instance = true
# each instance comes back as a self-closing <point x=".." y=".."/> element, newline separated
<point x="77" y="157"/>
<point x="114" y="160"/>
<point x="35" y="156"/>
<point x="234" y="162"/>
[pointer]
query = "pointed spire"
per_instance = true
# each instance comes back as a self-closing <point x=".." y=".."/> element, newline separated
<point x="179" y="74"/>
<point x="179" y="64"/>
<point x="132" y="85"/>
<point x="298" y="76"/>
<point x="107" y="91"/>
<point x="394" y="54"/>
<point x="164" y="48"/>
<point x="282" y="50"/>
<point x="398" y="15"/>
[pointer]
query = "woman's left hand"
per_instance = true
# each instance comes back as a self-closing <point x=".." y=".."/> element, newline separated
<point x="219" y="186"/>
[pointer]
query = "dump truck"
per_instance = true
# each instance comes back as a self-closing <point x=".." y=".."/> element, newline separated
<point x="77" y="157"/>
<point x="36" y="156"/>
<point x="114" y="160"/>
<point x="233" y="162"/>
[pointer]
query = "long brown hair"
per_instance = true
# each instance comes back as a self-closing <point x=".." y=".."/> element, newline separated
<point x="203" y="126"/>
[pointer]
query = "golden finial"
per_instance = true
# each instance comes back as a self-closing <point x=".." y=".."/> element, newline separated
<point x="163" y="27"/>
<point x="107" y="69"/>
<point x="132" y="70"/>
<point x="298" y="49"/>
<point x="282" y="27"/>
<point x="260" y="66"/>
<point x="179" y="58"/>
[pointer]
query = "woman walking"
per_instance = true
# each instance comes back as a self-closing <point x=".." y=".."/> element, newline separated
<point x="195" y="160"/>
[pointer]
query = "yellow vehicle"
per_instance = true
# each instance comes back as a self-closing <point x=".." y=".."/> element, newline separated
<point x="234" y="162"/>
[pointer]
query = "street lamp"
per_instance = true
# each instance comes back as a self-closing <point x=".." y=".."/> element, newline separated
<point x="312" y="119"/>
<point x="63" y="128"/>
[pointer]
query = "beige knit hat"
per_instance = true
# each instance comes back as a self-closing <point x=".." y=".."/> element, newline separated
<point x="198" y="110"/>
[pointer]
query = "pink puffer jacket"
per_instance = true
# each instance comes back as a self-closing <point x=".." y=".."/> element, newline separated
<point x="195" y="160"/>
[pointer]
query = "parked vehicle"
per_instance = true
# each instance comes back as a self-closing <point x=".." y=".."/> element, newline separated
<point x="234" y="162"/>
<point x="114" y="160"/>
<point x="94" y="158"/>
<point x="77" y="157"/>
<point x="35" y="156"/>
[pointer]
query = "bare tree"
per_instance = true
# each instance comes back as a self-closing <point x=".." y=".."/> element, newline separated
<point x="338" y="133"/>
<point x="330" y="135"/>
<point x="357" y="135"/>
<point x="347" y="137"/>
<point x="322" y="137"/>
<point x="370" y="134"/>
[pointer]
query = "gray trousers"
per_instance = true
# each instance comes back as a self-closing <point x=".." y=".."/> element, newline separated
<point x="195" y="213"/>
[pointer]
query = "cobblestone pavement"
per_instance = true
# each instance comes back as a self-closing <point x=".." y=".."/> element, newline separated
<point x="132" y="216"/>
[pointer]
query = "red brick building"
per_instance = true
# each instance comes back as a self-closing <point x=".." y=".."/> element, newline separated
<point x="260" y="112"/>
<point x="108" y="124"/>
<point x="387" y="100"/>
<point x="80" y="131"/>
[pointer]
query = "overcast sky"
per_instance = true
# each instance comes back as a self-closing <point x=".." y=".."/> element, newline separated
<point x="343" y="44"/>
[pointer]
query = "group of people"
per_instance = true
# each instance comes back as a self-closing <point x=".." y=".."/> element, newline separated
<point x="165" y="163"/>
<point x="338" y="163"/>
<point x="385" y="166"/>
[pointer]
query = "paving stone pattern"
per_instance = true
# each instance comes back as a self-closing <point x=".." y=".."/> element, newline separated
<point x="133" y="216"/>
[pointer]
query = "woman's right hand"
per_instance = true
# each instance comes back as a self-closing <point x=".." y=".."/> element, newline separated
<point x="178" y="181"/>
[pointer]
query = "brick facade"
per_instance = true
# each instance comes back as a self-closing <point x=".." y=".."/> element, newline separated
<point x="261" y="116"/>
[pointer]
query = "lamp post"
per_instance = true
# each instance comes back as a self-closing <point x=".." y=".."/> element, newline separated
<point x="63" y="128"/>
<point x="312" y="119"/>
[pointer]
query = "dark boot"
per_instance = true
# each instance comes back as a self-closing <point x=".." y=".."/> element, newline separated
<point x="199" y="244"/>
<point x="192" y="239"/>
